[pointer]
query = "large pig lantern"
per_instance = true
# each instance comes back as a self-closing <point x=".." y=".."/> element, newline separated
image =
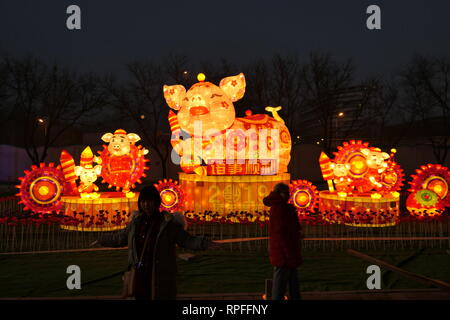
<point x="206" y="113"/>
<point x="123" y="163"/>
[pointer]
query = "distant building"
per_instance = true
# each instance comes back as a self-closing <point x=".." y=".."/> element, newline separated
<point x="342" y="111"/>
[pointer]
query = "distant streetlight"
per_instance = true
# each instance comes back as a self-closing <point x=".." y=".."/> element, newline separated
<point x="142" y="117"/>
<point x="42" y="121"/>
<point x="341" y="114"/>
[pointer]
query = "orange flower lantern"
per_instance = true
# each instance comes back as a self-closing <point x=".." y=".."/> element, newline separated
<point x="429" y="189"/>
<point x="304" y="196"/>
<point x="171" y="193"/>
<point x="41" y="188"/>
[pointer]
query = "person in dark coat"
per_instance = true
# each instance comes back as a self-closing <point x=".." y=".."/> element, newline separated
<point x="156" y="273"/>
<point x="284" y="243"/>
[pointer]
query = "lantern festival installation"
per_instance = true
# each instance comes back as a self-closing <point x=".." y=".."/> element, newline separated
<point x="429" y="189"/>
<point x="171" y="195"/>
<point x="229" y="163"/>
<point x="121" y="164"/>
<point x="41" y="188"/>
<point x="363" y="184"/>
<point x="304" y="196"/>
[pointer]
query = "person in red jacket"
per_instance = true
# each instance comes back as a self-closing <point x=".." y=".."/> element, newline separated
<point x="284" y="243"/>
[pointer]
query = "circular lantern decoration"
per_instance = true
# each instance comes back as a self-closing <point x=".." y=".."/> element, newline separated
<point x="424" y="203"/>
<point x="171" y="195"/>
<point x="438" y="185"/>
<point x="350" y="153"/>
<point x="392" y="178"/>
<point x="123" y="172"/>
<point x="429" y="190"/>
<point x="41" y="188"/>
<point x="304" y="196"/>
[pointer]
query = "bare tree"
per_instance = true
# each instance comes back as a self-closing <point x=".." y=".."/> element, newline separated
<point x="286" y="89"/>
<point x="49" y="102"/>
<point x="426" y="84"/>
<point x="141" y="100"/>
<point x="5" y="105"/>
<point x="322" y="79"/>
<point x="389" y="124"/>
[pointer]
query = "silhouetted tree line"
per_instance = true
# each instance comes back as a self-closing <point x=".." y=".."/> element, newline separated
<point x="47" y="101"/>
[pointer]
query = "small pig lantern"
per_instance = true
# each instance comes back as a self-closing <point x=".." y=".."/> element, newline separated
<point x="88" y="174"/>
<point x="358" y="168"/>
<point x="123" y="163"/>
<point x="214" y="134"/>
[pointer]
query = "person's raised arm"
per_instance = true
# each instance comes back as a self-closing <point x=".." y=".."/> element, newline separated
<point x="115" y="239"/>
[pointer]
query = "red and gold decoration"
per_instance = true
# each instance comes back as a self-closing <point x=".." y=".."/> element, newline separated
<point x="107" y="212"/>
<point x="304" y="196"/>
<point x="361" y="179"/>
<point x="41" y="188"/>
<point x="123" y="163"/>
<point x="68" y="168"/>
<point x="249" y="167"/>
<point x="172" y="195"/>
<point x="224" y="194"/>
<point x="429" y="189"/>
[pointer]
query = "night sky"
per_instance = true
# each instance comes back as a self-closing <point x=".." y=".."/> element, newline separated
<point x="116" y="32"/>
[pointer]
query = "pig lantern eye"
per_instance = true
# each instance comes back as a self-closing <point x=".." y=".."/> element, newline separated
<point x="215" y="95"/>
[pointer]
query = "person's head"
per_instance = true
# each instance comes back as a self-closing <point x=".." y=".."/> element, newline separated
<point x="283" y="190"/>
<point x="149" y="200"/>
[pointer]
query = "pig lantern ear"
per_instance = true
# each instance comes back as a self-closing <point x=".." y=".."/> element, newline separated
<point x="174" y="95"/>
<point x="233" y="86"/>
<point x="133" y="137"/>
<point x="107" y="137"/>
<point x="78" y="170"/>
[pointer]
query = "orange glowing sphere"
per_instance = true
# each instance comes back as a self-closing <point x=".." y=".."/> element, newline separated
<point x="168" y="198"/>
<point x="302" y="198"/>
<point x="438" y="185"/>
<point x="201" y="77"/>
<point x="43" y="190"/>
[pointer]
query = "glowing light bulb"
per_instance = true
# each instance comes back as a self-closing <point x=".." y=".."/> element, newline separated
<point x="201" y="77"/>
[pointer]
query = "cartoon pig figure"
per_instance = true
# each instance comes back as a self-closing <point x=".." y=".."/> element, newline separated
<point x="222" y="135"/>
<point x="375" y="159"/>
<point x="88" y="175"/>
<point x="123" y="162"/>
<point x="376" y="163"/>
<point x="120" y="142"/>
<point x="341" y="179"/>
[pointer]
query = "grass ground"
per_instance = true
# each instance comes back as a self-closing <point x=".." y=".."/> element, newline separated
<point x="44" y="275"/>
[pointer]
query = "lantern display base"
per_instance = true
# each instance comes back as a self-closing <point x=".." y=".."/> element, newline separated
<point x="224" y="194"/>
<point x="111" y="211"/>
<point x="360" y="210"/>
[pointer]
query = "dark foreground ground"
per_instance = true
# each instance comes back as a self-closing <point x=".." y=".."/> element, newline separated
<point x="225" y="275"/>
